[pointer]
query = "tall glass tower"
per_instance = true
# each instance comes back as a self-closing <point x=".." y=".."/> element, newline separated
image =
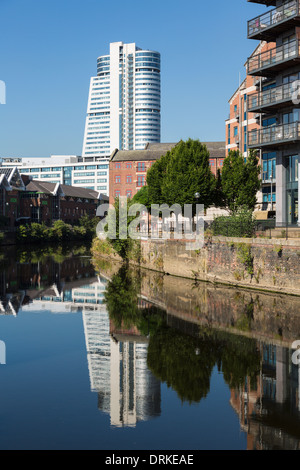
<point x="124" y="105"/>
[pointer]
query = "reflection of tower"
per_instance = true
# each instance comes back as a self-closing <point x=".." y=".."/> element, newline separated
<point x="135" y="393"/>
<point x="118" y="370"/>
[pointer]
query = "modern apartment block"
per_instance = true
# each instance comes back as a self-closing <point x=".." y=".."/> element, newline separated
<point x="242" y="119"/>
<point x="82" y="172"/>
<point x="124" y="104"/>
<point x="276" y="100"/>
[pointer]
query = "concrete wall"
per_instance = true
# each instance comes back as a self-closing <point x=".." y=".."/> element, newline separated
<point x="259" y="263"/>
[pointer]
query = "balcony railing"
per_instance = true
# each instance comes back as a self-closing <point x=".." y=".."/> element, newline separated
<point x="273" y="97"/>
<point x="274" y="135"/>
<point x="274" y="59"/>
<point x="269" y="24"/>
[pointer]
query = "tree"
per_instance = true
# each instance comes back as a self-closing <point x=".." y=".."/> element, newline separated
<point x="155" y="179"/>
<point x="182" y="172"/>
<point x="240" y="181"/>
<point x="117" y="229"/>
<point x="141" y="197"/>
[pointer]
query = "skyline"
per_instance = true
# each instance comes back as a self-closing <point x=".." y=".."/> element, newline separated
<point x="49" y="54"/>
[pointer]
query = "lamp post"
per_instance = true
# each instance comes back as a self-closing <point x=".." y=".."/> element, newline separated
<point x="197" y="197"/>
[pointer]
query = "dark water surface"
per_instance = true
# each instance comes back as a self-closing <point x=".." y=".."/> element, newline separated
<point x="99" y="357"/>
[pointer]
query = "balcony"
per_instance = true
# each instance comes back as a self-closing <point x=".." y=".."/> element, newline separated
<point x="274" y="136"/>
<point x="268" y="3"/>
<point x="270" y="62"/>
<point x="274" y="98"/>
<point x="269" y="25"/>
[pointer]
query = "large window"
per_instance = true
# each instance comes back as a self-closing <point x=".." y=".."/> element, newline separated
<point x="292" y="165"/>
<point x="292" y="169"/>
<point x="269" y="166"/>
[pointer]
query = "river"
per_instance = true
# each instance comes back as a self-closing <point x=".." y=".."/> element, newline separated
<point x="98" y="356"/>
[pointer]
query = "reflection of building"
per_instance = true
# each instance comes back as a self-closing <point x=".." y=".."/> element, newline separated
<point x="117" y="362"/>
<point x="269" y="408"/>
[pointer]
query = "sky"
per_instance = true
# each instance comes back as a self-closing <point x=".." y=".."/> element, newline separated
<point x="49" y="50"/>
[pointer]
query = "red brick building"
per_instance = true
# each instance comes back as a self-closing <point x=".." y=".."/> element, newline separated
<point x="128" y="168"/>
<point x="25" y="200"/>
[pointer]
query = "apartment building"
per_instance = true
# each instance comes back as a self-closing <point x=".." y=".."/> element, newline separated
<point x="243" y="118"/>
<point x="81" y="172"/>
<point x="124" y="104"/>
<point x="278" y="105"/>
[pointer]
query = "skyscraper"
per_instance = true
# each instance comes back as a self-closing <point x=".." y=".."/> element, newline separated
<point x="124" y="105"/>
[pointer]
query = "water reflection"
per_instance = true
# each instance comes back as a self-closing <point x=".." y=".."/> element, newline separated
<point x="143" y="330"/>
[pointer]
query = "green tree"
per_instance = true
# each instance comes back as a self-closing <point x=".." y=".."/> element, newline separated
<point x="189" y="172"/>
<point x="155" y="179"/>
<point x="182" y="172"/>
<point x="141" y="197"/>
<point x="117" y="229"/>
<point x="240" y="181"/>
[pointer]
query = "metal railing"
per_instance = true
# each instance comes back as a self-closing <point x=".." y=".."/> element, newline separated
<point x="273" y="96"/>
<point x="274" y="134"/>
<point x="269" y="59"/>
<point x="273" y="17"/>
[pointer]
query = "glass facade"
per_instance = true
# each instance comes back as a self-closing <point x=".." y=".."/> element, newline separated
<point x="292" y="165"/>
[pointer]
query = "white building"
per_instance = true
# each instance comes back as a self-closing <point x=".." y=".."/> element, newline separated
<point x="124" y="105"/>
<point x="90" y="173"/>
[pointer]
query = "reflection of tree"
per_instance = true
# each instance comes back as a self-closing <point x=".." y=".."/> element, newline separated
<point x="183" y="362"/>
<point x="186" y="363"/>
<point x="121" y="298"/>
<point x="238" y="358"/>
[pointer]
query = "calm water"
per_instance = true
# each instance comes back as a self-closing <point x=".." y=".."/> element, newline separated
<point x="101" y="358"/>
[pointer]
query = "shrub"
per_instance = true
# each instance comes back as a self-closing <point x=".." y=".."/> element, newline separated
<point x="240" y="224"/>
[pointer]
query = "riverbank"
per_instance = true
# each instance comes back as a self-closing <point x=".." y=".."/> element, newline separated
<point x="256" y="264"/>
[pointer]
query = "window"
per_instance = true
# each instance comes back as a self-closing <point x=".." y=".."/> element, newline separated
<point x="128" y="165"/>
<point x="118" y="179"/>
<point x="141" y="181"/>
<point x="118" y="166"/>
<point x="292" y="169"/>
<point x="141" y="166"/>
<point x="235" y="131"/>
<point x="128" y="179"/>
<point x="117" y="193"/>
<point x="129" y="194"/>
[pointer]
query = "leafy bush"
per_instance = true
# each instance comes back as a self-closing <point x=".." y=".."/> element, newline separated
<point x="240" y="224"/>
<point x="59" y="232"/>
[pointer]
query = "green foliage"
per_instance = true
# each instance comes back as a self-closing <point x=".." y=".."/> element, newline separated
<point x="182" y="172"/>
<point x="59" y="232"/>
<point x="141" y="197"/>
<point x="117" y="229"/>
<point x="245" y="256"/>
<point x="240" y="181"/>
<point x="239" y="224"/>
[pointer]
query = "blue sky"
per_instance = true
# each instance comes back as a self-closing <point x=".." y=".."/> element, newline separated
<point x="49" y="50"/>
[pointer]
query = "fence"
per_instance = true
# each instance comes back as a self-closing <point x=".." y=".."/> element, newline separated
<point x="229" y="227"/>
